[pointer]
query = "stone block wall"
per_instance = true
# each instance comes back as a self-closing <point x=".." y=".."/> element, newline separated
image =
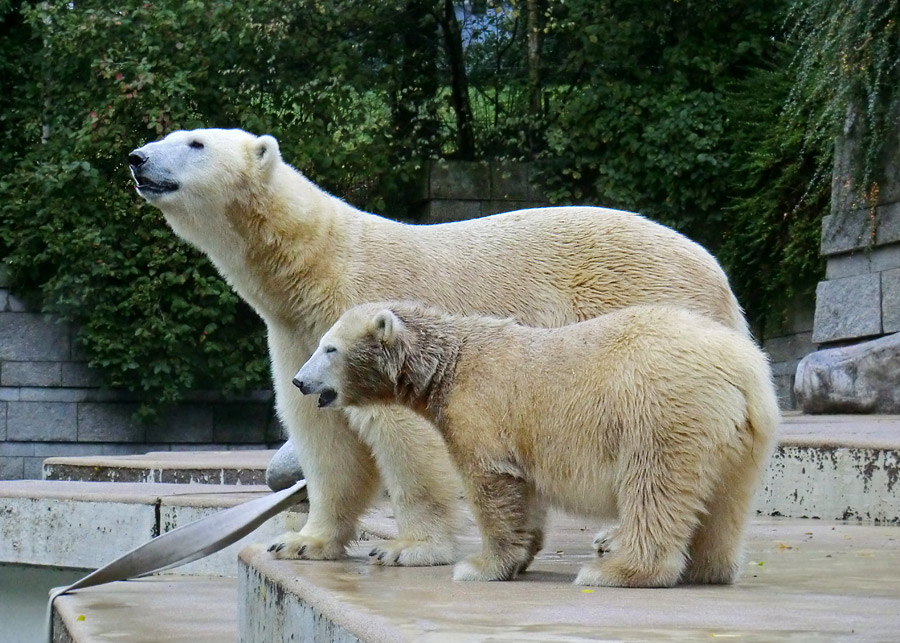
<point x="51" y="404"/>
<point x="860" y="296"/>
<point x="459" y="190"/>
<point x="786" y="345"/>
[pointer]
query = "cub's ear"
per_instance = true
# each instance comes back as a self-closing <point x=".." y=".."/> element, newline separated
<point x="267" y="152"/>
<point x="387" y="325"/>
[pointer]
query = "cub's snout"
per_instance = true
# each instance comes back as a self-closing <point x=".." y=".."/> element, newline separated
<point x="327" y="395"/>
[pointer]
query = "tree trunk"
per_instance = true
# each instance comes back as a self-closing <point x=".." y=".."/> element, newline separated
<point x="535" y="102"/>
<point x="459" y="83"/>
<point x="416" y="85"/>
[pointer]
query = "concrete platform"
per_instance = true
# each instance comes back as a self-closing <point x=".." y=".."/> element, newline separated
<point x="804" y="580"/>
<point x="88" y="524"/>
<point x="179" y="467"/>
<point x="819" y="580"/>
<point x="176" y="609"/>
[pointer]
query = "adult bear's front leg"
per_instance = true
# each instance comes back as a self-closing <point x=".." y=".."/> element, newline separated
<point x="340" y="473"/>
<point x="422" y="482"/>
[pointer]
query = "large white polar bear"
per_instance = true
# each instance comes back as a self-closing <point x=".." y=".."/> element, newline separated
<point x="301" y="257"/>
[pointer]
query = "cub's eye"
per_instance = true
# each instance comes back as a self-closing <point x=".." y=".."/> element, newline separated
<point x="331" y="349"/>
<point x="196" y="145"/>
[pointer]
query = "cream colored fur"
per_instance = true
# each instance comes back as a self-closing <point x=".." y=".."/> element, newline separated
<point x="654" y="415"/>
<point x="301" y="257"/>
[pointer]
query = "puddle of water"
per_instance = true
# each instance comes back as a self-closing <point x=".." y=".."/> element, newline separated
<point x="23" y="599"/>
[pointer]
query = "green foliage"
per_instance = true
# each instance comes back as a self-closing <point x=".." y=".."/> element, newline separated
<point x="773" y="221"/>
<point x="848" y="61"/>
<point x="670" y="108"/>
<point x="647" y="127"/>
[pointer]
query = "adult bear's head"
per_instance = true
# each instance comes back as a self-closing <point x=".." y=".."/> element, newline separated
<point x="197" y="174"/>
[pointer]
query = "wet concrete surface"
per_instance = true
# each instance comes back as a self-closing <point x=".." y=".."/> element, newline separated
<point x="855" y="431"/>
<point x="180" y="609"/>
<point x="804" y="580"/>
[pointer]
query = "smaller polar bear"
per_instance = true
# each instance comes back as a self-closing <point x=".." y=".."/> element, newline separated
<point x="652" y="414"/>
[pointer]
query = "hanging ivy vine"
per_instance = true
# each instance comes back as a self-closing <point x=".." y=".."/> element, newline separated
<point x="847" y="70"/>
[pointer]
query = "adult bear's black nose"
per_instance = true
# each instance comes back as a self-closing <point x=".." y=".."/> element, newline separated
<point x="136" y="159"/>
<point x="300" y="384"/>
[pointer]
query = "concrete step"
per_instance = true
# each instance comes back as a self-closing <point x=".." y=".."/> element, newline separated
<point x="179" y="467"/>
<point x="803" y="580"/>
<point x="175" y="609"/>
<point x="88" y="524"/>
<point x="836" y="467"/>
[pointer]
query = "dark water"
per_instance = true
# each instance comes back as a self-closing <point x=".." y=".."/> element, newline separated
<point x="23" y="599"/>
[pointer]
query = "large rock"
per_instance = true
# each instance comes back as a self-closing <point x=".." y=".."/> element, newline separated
<point x="284" y="468"/>
<point x="863" y="378"/>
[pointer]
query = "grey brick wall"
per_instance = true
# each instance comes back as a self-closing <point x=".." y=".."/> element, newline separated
<point x="860" y="296"/>
<point x="455" y="191"/>
<point x="51" y="404"/>
<point x="787" y="345"/>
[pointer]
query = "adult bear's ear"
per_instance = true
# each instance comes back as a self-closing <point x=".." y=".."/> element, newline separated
<point x="386" y="325"/>
<point x="267" y="152"/>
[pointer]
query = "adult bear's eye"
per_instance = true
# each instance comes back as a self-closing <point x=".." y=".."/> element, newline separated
<point x="197" y="145"/>
<point x="330" y="349"/>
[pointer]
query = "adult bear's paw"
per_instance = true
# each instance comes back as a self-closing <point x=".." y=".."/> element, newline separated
<point x="605" y="541"/>
<point x="296" y="546"/>
<point x="413" y="553"/>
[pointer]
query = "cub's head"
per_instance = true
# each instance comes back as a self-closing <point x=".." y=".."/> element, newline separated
<point x="358" y="361"/>
<point x="203" y="171"/>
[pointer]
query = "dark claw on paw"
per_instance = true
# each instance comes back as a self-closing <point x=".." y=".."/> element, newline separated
<point x="301" y="550"/>
<point x="381" y="555"/>
<point x="272" y="548"/>
<point x="397" y="559"/>
<point x="280" y="547"/>
<point x="373" y="552"/>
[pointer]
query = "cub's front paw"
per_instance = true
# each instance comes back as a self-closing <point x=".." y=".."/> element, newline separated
<point x="296" y="546"/>
<point x="413" y="553"/>
<point x="480" y="568"/>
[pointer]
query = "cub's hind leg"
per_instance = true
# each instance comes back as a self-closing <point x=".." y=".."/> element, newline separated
<point x="716" y="549"/>
<point x="659" y="509"/>
<point x="535" y="522"/>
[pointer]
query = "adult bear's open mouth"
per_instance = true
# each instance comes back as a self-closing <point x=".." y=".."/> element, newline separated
<point x="326" y="397"/>
<point x="153" y="188"/>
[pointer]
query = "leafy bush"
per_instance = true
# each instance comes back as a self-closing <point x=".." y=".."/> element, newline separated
<point x="647" y="129"/>
<point x="774" y="217"/>
<point x="847" y="68"/>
